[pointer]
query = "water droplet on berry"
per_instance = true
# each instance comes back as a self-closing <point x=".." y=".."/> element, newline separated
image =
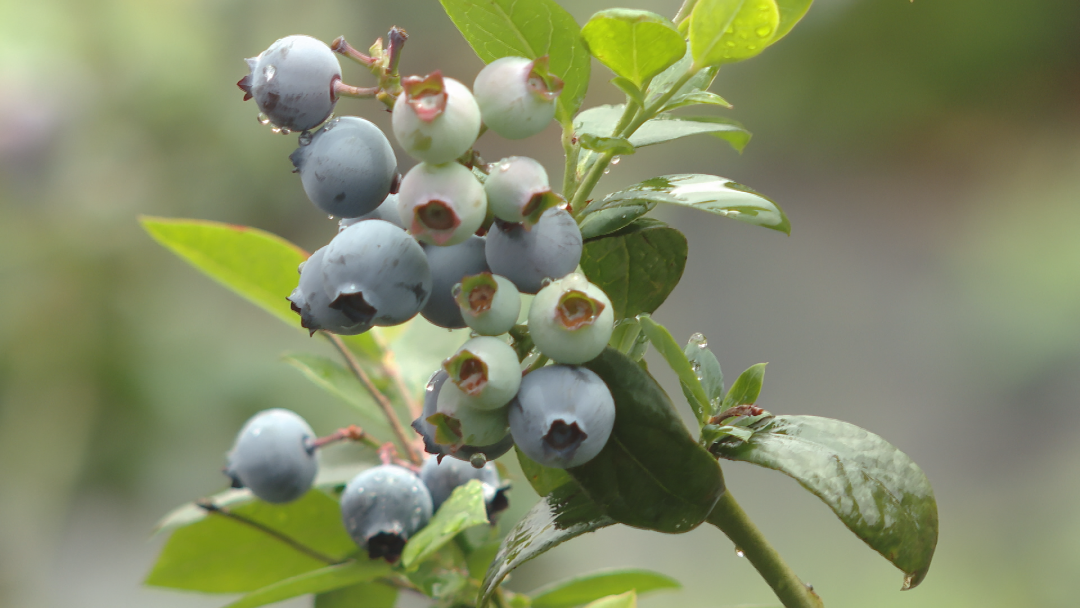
<point x="305" y="138"/>
<point x="275" y="129"/>
<point x="546" y="281"/>
<point x="263" y="119"/>
<point x="504" y="166"/>
<point x="739" y="552"/>
<point x="269" y="71"/>
<point x="329" y="217"/>
<point x="285" y="130"/>
<point x="456" y="290"/>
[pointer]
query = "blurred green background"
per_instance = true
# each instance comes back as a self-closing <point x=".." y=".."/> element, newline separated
<point x="927" y="153"/>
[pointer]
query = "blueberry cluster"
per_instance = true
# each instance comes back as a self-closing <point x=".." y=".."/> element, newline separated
<point x="455" y="240"/>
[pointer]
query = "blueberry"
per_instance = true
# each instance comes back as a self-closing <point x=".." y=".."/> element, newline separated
<point x="293" y="82"/>
<point x="518" y="190"/>
<point x="549" y="250"/>
<point x="347" y="168"/>
<point x="386" y="211"/>
<point x="274" y="456"/>
<point x="517" y="96"/>
<point x="571" y="320"/>
<point x="449" y="265"/>
<point x="487" y="370"/>
<point x="427" y="429"/>
<point x="562" y="416"/>
<point x="383" y="507"/>
<point x="310" y="302"/>
<point x="441" y="204"/>
<point x="375" y="273"/>
<point x="436" y="119"/>
<point x="443" y="476"/>
<point x="489" y="303"/>
<point x="459" y="423"/>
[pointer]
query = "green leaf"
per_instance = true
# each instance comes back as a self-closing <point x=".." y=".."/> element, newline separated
<point x="700" y="81"/>
<point x="336" y="380"/>
<point x="747" y="387"/>
<point x="667" y="127"/>
<point x="218" y="554"/>
<point x="597" y="143"/>
<point x="680" y="364"/>
<point x="625" y="600"/>
<point x="527" y="28"/>
<point x="638" y="266"/>
<point x="565" y="513"/>
<point x="705" y="192"/>
<point x="791" y="11"/>
<point x="542" y="479"/>
<point x="361" y="595"/>
<point x="632" y="90"/>
<point x="634" y="44"/>
<point x="464" y="509"/>
<point x="595" y="585"/>
<point x="705" y="98"/>
<point x="875" y="489"/>
<point x="257" y="265"/>
<point x="316" y="581"/>
<point x="437" y="581"/>
<point x="726" y="31"/>
<point x="628" y="339"/>
<point x="651" y="474"/>
<point x="606" y="221"/>
<point x="707" y="370"/>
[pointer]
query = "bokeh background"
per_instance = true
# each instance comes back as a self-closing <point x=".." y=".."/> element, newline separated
<point x="927" y="153"/>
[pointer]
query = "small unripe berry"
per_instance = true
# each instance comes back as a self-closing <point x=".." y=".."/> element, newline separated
<point x="486" y="369"/>
<point x="436" y="119"/>
<point x="517" y="96"/>
<point x="489" y="303"/>
<point x="441" y="204"/>
<point x="518" y="190"/>
<point x="571" y="320"/>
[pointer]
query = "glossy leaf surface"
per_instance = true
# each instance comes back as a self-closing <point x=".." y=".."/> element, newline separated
<point x="464" y="509"/>
<point x="257" y="265"/>
<point x="361" y="595"/>
<point x="595" y="585"/>
<point x="705" y="192"/>
<point x="527" y="28"/>
<point x="726" y="31"/>
<point x="566" y="513"/>
<point x="746" y="388"/>
<point x="679" y="363"/>
<point x="623" y="600"/>
<point x="600" y="121"/>
<point x="698" y="82"/>
<point x="634" y="44"/>
<point x="875" y="489"/>
<point x="637" y="266"/>
<point x="332" y="377"/>
<point x="651" y="474"/>
<point x="606" y="221"/>
<point x="219" y="554"/>
<point x="706" y="98"/>
<point x="542" y="479"/>
<point x="791" y="11"/>
<point x="706" y="369"/>
<point x="316" y="581"/>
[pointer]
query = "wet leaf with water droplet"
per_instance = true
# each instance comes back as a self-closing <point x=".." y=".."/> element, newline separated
<point x="634" y="44"/>
<point x="875" y="489"/>
<point x="464" y="509"/>
<point x="668" y="348"/>
<point x="707" y="370"/>
<point x="726" y="31"/>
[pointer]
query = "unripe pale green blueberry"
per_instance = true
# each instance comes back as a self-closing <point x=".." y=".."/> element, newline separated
<point x="427" y="429"/>
<point x="436" y="119"/>
<point x="458" y="424"/>
<point x="441" y="204"/>
<point x="571" y="320"/>
<point x="517" y="96"/>
<point x="486" y="369"/>
<point x="489" y="303"/>
<point x="518" y="191"/>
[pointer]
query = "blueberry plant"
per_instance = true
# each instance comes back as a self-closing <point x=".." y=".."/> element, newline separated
<point x="556" y="381"/>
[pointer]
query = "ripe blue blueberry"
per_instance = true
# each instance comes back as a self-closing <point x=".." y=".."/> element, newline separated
<point x="441" y="204"/>
<point x="347" y="168"/>
<point x="517" y="96"/>
<point x="518" y="191"/>
<point x="387" y="211"/>
<point x="383" y="507"/>
<point x="427" y="430"/>
<point x="375" y="273"/>
<point x="274" y="456"/>
<point x="443" y="476"/>
<point x="571" y="320"/>
<point x="562" y="416"/>
<point x="293" y="82"/>
<point x="486" y="369"/>
<point x="449" y="265"/>
<point x="551" y="249"/>
<point x="436" y="119"/>
<point x="489" y="303"/>
<point x="310" y="302"/>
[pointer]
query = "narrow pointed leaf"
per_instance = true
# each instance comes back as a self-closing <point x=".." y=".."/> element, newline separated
<point x="527" y="28"/>
<point x="700" y="81"/>
<point x="651" y="474"/>
<point x="566" y="513"/>
<point x="613" y="219"/>
<point x="623" y="600"/>
<point x="597" y="143"/>
<point x="316" y="581"/>
<point x="699" y="98"/>
<point x="746" y="388"/>
<point x="680" y="364"/>
<point x="726" y="31"/>
<point x="463" y="510"/>
<point x="707" y="370"/>
<point x="667" y="127"/>
<point x="791" y="11"/>
<point x="628" y="339"/>
<point x="875" y="489"/>
<point x="219" y="554"/>
<point x="257" y="265"/>
<point x="634" y="44"/>
<point x="595" y="585"/>
<point x="361" y="595"/>
<point x="542" y="479"/>
<point x="638" y="266"/>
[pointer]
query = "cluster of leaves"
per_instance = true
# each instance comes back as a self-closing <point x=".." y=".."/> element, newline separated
<point x="653" y="474"/>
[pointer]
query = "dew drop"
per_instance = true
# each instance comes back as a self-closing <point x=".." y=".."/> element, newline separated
<point x="305" y="138"/>
<point x="809" y="587"/>
<point x="698" y="339"/>
<point x="739" y="552"/>
<point x="285" y="130"/>
<point x="606" y="171"/>
<point x="329" y="217"/>
<point x="763" y="31"/>
<point x="504" y="167"/>
<point x="909" y="582"/>
<point x="269" y="71"/>
<point x="616" y="160"/>
<point x="546" y="281"/>
<point x="456" y="290"/>
<point x="275" y="129"/>
<point x="263" y="119"/>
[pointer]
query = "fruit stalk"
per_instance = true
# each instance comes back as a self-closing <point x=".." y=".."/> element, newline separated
<point x="379" y="397"/>
<point x="750" y="543"/>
